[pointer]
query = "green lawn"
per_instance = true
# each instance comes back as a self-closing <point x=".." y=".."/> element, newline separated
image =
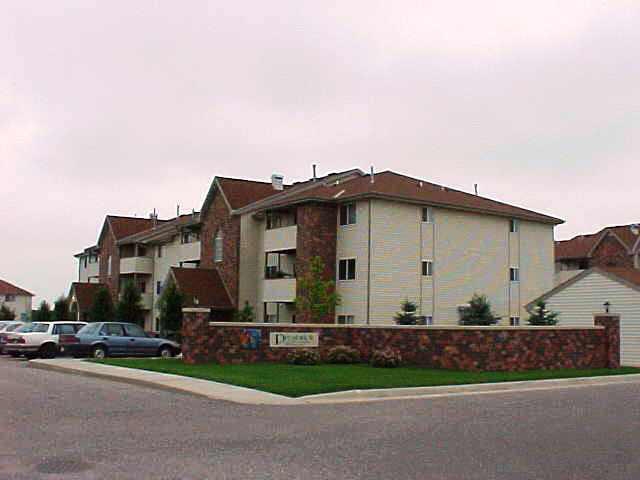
<point x="297" y="381"/>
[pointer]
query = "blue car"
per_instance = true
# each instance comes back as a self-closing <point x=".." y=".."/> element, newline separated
<point x="105" y="339"/>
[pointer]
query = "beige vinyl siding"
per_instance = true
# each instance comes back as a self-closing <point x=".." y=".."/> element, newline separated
<point x="252" y="258"/>
<point x="425" y="303"/>
<point x="21" y="306"/>
<point x="352" y="242"/>
<point x="395" y="258"/>
<point x="578" y="302"/>
<point x="471" y="257"/>
<point x="536" y="262"/>
<point x="514" y="261"/>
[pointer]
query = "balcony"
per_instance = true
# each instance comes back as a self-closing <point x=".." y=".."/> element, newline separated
<point x="189" y="251"/>
<point x="143" y="265"/>
<point x="147" y="301"/>
<point x="280" y="290"/>
<point x="278" y="239"/>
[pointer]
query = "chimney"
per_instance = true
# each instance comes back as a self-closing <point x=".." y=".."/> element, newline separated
<point x="178" y="210"/>
<point x="277" y="181"/>
<point x="154" y="217"/>
<point x="372" y="176"/>
<point x="314" y="173"/>
<point x="475" y="187"/>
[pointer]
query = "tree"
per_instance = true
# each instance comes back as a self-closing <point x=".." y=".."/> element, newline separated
<point x="542" y="316"/>
<point x="43" y="314"/>
<point x="246" y="314"/>
<point x="407" y="314"/>
<point x="102" y="308"/>
<point x="61" y="309"/>
<point x="6" y="313"/>
<point x="478" y="312"/>
<point x="129" y="307"/>
<point x="170" y="304"/>
<point x="317" y="297"/>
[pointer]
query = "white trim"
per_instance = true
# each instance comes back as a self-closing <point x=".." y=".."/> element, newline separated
<point x="355" y="276"/>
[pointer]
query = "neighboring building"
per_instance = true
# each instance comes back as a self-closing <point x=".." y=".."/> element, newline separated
<point x="88" y="266"/>
<point x="81" y="296"/>
<point x="577" y="299"/>
<point x="16" y="299"/>
<point x="617" y="246"/>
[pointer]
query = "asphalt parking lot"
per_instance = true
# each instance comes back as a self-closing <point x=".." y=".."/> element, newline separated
<point x="56" y="425"/>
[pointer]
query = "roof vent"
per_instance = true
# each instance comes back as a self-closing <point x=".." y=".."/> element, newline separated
<point x="444" y="189"/>
<point x="372" y="175"/>
<point x="635" y="228"/>
<point x="277" y="181"/>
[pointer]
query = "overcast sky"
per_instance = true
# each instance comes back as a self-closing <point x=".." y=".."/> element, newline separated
<point x="122" y="107"/>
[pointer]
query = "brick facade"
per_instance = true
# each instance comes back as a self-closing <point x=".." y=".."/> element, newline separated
<point x="317" y="236"/>
<point x="218" y="218"/>
<point x="457" y="348"/>
<point x="611" y="253"/>
<point x="108" y="248"/>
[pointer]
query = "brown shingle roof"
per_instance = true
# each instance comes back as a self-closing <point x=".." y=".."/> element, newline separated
<point x="162" y="228"/>
<point x="202" y="284"/>
<point x="7" y="288"/>
<point x="400" y="187"/>
<point x="125" y="226"/>
<point x="85" y="293"/>
<point x="243" y="192"/>
<point x="631" y="275"/>
<point x="580" y="246"/>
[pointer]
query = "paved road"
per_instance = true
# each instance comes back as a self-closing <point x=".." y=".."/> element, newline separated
<point x="54" y="425"/>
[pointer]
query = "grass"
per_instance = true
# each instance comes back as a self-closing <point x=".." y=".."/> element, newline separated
<point x="297" y="381"/>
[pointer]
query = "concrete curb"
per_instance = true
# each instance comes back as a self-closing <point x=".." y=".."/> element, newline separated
<point x="222" y="391"/>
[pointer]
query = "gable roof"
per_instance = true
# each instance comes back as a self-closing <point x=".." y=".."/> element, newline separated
<point x="85" y="293"/>
<point x="582" y="246"/>
<point x="7" y="288"/>
<point x="164" y="229"/>
<point x="202" y="287"/>
<point x="627" y="276"/>
<point x="394" y="186"/>
<point x="238" y="192"/>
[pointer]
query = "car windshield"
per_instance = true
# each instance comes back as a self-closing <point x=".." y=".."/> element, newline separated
<point x="2" y="325"/>
<point x="89" y="329"/>
<point x="34" y="328"/>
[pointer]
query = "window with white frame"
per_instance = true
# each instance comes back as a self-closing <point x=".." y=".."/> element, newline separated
<point x="513" y="225"/>
<point x="514" y="321"/>
<point x="109" y="265"/>
<point x="427" y="214"/>
<point x="346" y="319"/>
<point x="348" y="214"/>
<point x="9" y="297"/>
<point x="427" y="268"/>
<point x="514" y="274"/>
<point x="347" y="269"/>
<point x="217" y="247"/>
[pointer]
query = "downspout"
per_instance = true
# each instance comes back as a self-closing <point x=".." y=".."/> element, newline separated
<point x="369" y="267"/>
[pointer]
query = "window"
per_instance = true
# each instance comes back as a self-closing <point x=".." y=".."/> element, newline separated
<point x="513" y="225"/>
<point x="348" y="214"/>
<point x="514" y="321"/>
<point x="84" y="261"/>
<point x="159" y="251"/>
<point x="347" y="269"/>
<point x="142" y="286"/>
<point x="9" y="297"/>
<point x="514" y="274"/>
<point x="112" y="330"/>
<point x="134" y="331"/>
<point x="427" y="215"/>
<point x="187" y="237"/>
<point x="427" y="268"/>
<point x="345" y="319"/>
<point x="217" y="248"/>
<point x="158" y="287"/>
<point x="64" y="329"/>
<point x="428" y="320"/>
<point x="109" y="265"/>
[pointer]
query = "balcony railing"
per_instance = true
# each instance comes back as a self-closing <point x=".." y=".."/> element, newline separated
<point x="278" y="239"/>
<point x="280" y="290"/>
<point x="272" y="273"/>
<point x="142" y="265"/>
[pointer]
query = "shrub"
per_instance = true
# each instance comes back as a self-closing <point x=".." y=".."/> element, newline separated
<point x="542" y="316"/>
<point x="387" y="358"/>
<point x="407" y="314"/>
<point x="343" y="354"/>
<point x="304" y="356"/>
<point x="478" y="312"/>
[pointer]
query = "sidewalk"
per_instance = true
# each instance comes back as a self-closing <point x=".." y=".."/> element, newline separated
<point x="232" y="393"/>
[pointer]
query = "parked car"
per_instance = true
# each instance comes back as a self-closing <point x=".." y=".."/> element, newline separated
<point x="39" y="339"/>
<point x="102" y="339"/>
<point x="6" y="327"/>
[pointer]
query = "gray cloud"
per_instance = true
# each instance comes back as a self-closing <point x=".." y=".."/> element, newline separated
<point x="114" y="108"/>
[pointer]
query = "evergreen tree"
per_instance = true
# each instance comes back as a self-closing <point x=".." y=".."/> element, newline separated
<point x="317" y="296"/>
<point x="61" y="309"/>
<point x="478" y="312"/>
<point x="6" y="313"/>
<point x="542" y="316"/>
<point x="43" y="314"/>
<point x="170" y="303"/>
<point x="246" y="314"/>
<point x="102" y="308"/>
<point x="407" y="314"/>
<point x="129" y="307"/>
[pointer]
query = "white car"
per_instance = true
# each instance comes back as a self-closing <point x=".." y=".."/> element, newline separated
<point x="39" y="339"/>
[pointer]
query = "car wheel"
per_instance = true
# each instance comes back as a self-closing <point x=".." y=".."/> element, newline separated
<point x="99" y="352"/>
<point x="166" y="352"/>
<point x="48" y="351"/>
<point x="14" y="354"/>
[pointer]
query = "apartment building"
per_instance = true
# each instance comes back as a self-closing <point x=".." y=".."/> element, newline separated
<point x="383" y="238"/>
<point x="16" y="299"/>
<point x="612" y="247"/>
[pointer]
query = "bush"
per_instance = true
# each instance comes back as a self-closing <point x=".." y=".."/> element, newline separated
<point x="387" y="358"/>
<point x="478" y="312"/>
<point x="407" y="314"/>
<point x="304" y="356"/>
<point x="343" y="354"/>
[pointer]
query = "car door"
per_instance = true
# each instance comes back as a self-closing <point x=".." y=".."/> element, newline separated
<point x="139" y="342"/>
<point x="113" y="335"/>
